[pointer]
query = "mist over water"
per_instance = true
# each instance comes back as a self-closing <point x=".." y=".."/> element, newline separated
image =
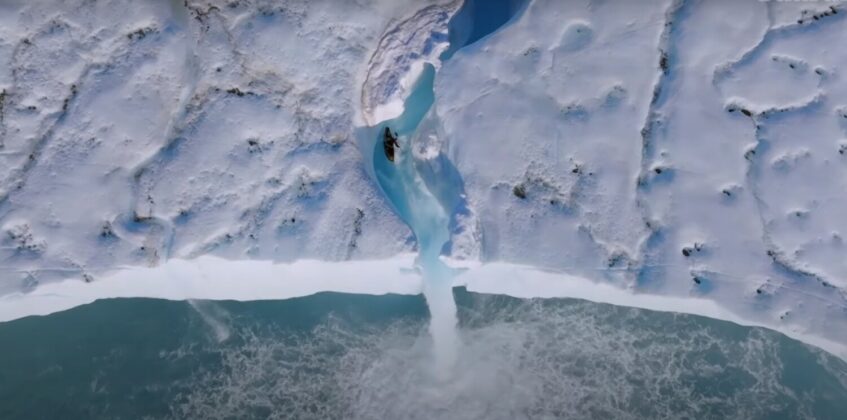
<point x="352" y="356"/>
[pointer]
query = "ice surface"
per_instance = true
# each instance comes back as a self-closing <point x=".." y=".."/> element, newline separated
<point x="670" y="149"/>
<point x="134" y="132"/>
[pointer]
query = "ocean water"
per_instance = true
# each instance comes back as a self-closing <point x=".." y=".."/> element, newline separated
<point x="354" y="356"/>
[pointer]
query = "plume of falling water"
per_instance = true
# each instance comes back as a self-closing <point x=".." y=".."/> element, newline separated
<point x="428" y="220"/>
<point x="215" y="317"/>
<point x="438" y="290"/>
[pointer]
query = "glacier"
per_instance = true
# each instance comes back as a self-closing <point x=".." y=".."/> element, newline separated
<point x="668" y="155"/>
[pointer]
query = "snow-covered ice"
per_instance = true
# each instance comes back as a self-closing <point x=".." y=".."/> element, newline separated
<point x="136" y="132"/>
<point x="672" y="148"/>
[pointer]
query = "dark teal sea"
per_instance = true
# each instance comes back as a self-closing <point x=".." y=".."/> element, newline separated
<point x="354" y="356"/>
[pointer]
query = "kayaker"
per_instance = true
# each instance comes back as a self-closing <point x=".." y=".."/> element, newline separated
<point x="389" y="142"/>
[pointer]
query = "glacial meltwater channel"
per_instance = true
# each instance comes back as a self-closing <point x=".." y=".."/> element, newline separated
<point x="425" y="191"/>
<point x="424" y="213"/>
